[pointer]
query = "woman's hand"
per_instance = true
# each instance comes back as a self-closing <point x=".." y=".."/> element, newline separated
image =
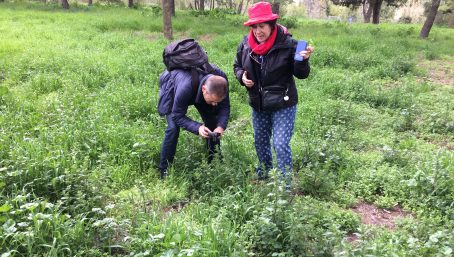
<point x="307" y="53"/>
<point x="247" y="82"/>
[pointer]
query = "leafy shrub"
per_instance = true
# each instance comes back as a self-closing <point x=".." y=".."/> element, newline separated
<point x="289" y="22"/>
<point x="431" y="184"/>
<point x="405" y="19"/>
<point x="319" y="166"/>
<point x="37" y="227"/>
<point x="4" y="95"/>
<point x="405" y="121"/>
<point x="406" y="31"/>
<point x="154" y="9"/>
<point x="303" y="228"/>
<point x="442" y="123"/>
<point x="421" y="238"/>
<point x="215" y="13"/>
<point x="112" y="2"/>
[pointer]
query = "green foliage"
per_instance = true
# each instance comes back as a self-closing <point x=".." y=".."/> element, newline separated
<point x="303" y="227"/>
<point x="289" y="22"/>
<point x="215" y="13"/>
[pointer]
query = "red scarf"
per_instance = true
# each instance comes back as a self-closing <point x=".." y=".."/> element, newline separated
<point x="264" y="47"/>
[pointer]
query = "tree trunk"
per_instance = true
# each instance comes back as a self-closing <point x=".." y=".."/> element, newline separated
<point x="65" y="4"/>
<point x="90" y="2"/>
<point x="167" y="19"/>
<point x="430" y="19"/>
<point x="246" y="6"/>
<point x="172" y="6"/>
<point x="202" y="5"/>
<point x="240" y="7"/>
<point x="275" y="6"/>
<point x="376" y="11"/>
<point x="130" y="3"/>
<point x="367" y="11"/>
<point x="451" y="21"/>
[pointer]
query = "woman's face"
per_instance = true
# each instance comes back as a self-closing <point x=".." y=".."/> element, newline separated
<point x="262" y="31"/>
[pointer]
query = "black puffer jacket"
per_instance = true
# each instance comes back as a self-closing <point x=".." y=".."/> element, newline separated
<point x="278" y="68"/>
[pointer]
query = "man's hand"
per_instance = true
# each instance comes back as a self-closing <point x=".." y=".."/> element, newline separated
<point x="219" y="130"/>
<point x="247" y="82"/>
<point x="204" y="131"/>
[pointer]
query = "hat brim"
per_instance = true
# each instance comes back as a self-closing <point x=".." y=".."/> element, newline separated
<point x="261" y="19"/>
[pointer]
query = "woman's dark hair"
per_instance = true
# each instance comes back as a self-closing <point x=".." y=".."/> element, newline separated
<point x="271" y="23"/>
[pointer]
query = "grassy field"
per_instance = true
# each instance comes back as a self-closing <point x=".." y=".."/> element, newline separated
<point x="80" y="138"/>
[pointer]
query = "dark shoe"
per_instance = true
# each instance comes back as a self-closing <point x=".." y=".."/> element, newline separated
<point x="163" y="174"/>
<point x="261" y="175"/>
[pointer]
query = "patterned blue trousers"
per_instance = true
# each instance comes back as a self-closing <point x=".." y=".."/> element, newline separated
<point x="278" y="124"/>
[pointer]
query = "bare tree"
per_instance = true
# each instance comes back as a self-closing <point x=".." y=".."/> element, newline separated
<point x="451" y="21"/>
<point x="370" y="7"/>
<point x="240" y="7"/>
<point x="65" y="4"/>
<point x="245" y="7"/>
<point x="130" y="3"/>
<point x="172" y="5"/>
<point x="167" y="19"/>
<point x="276" y="6"/>
<point x="448" y="9"/>
<point x="430" y="19"/>
<point x="196" y="4"/>
<point x="201" y="5"/>
<point x="367" y="11"/>
<point x="376" y="11"/>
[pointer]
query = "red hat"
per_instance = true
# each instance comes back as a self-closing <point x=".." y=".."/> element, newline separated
<point x="260" y="12"/>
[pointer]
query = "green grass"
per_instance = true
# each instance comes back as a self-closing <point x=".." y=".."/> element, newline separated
<point x="80" y="139"/>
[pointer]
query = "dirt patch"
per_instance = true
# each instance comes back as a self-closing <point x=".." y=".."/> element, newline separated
<point x="153" y="37"/>
<point x="175" y="207"/>
<point x="352" y="238"/>
<point x="149" y="36"/>
<point x="439" y="71"/>
<point x="444" y="143"/>
<point x="181" y="35"/>
<point x="207" y="37"/>
<point x="374" y="216"/>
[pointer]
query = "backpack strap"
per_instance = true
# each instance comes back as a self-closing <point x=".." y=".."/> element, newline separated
<point x="206" y="68"/>
<point x="195" y="79"/>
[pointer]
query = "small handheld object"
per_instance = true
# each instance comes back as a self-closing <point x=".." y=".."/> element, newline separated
<point x="301" y="46"/>
<point x="214" y="135"/>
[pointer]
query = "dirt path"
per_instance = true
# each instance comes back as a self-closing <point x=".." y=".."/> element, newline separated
<point x="439" y="71"/>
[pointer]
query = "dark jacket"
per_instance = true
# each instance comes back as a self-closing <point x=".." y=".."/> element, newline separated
<point x="278" y="68"/>
<point x="186" y="96"/>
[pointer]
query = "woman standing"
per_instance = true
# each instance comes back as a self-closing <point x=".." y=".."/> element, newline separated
<point x="265" y="65"/>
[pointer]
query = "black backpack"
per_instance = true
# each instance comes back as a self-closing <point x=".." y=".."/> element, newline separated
<point x="182" y="54"/>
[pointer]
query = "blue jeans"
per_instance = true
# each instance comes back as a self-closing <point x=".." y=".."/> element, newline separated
<point x="169" y="144"/>
<point x="278" y="124"/>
